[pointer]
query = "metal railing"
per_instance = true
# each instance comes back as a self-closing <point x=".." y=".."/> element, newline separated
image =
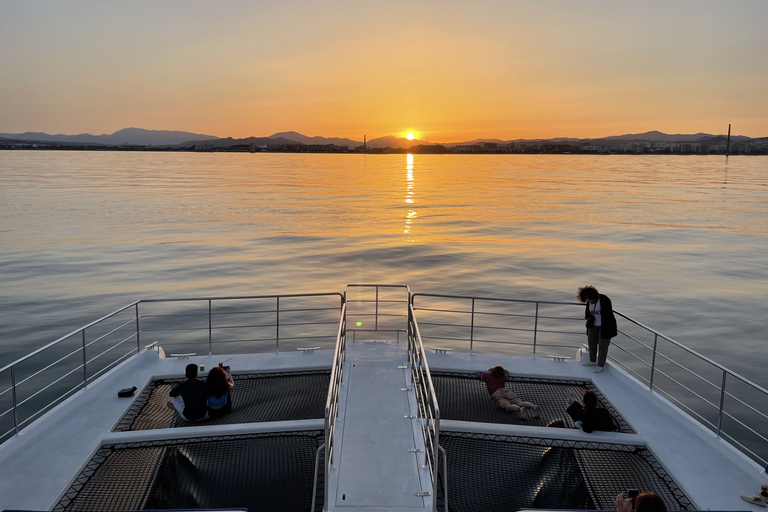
<point x="332" y="405"/>
<point x="381" y="312"/>
<point x="428" y="408"/>
<point x="732" y="406"/>
<point x="37" y="382"/>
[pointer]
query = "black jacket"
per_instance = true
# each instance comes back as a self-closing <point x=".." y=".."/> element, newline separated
<point x="595" y="419"/>
<point x="608" y="328"/>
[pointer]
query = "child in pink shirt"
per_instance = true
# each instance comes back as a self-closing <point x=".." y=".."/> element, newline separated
<point x="495" y="380"/>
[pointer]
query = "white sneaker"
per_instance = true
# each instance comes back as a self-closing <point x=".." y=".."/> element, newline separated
<point x="589" y="363"/>
<point x="599" y="369"/>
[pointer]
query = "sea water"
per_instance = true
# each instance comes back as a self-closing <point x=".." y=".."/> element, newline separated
<point x="680" y="243"/>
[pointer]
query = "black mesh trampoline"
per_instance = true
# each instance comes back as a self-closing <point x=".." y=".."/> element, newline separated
<point x="257" y="397"/>
<point x="264" y="472"/>
<point x="509" y="473"/>
<point x="464" y="397"/>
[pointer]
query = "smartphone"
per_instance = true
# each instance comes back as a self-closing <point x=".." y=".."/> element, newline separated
<point x="632" y="494"/>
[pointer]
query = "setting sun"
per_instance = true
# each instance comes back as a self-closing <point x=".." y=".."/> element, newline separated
<point x="410" y="136"/>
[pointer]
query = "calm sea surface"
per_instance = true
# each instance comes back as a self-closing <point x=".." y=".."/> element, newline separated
<point x="678" y="242"/>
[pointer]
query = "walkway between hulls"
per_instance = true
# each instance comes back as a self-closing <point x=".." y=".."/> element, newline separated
<point x="374" y="467"/>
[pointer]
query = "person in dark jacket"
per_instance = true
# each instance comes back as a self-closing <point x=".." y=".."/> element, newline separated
<point x="591" y="417"/>
<point x="189" y="398"/>
<point x="601" y="325"/>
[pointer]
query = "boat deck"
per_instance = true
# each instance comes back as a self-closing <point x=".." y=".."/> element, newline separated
<point x="377" y="465"/>
<point x="375" y="469"/>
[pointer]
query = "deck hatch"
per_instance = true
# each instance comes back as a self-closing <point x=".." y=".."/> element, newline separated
<point x="266" y="472"/>
<point x="463" y="397"/>
<point x="495" y="472"/>
<point x="257" y="397"/>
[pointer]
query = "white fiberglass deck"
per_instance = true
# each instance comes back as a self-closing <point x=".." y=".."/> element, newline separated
<point x="38" y="464"/>
<point x="373" y="470"/>
<point x="375" y="465"/>
<point x="710" y="471"/>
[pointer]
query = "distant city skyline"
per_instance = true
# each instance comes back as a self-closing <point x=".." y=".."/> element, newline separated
<point x="445" y="71"/>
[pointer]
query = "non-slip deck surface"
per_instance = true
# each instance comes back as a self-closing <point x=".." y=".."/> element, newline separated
<point x="464" y="397"/>
<point x="257" y="397"/>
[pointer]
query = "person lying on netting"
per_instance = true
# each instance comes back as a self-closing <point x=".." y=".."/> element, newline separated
<point x="589" y="417"/>
<point x="495" y="380"/>
<point x="218" y="387"/>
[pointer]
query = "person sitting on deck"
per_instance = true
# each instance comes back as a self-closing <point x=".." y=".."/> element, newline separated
<point x="589" y="417"/>
<point x="494" y="379"/>
<point x="218" y="385"/>
<point x="188" y="398"/>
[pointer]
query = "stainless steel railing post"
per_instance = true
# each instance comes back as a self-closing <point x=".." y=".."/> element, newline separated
<point x="13" y="387"/>
<point x="722" y="403"/>
<point x="445" y="478"/>
<point x="210" y="328"/>
<point x="472" y="327"/>
<point x="277" y="325"/>
<point x="535" y="328"/>
<point x="85" y="368"/>
<point x="653" y="360"/>
<point x="376" y="318"/>
<point x="138" y="341"/>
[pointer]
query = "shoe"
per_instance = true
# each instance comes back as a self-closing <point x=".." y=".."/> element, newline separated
<point x="755" y="500"/>
<point x="589" y="363"/>
<point x="599" y="369"/>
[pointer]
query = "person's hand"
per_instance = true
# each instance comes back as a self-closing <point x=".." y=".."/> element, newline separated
<point x="622" y="504"/>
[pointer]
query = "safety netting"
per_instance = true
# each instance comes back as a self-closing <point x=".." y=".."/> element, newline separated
<point x="462" y="396"/>
<point x="256" y="397"/>
<point x="509" y="473"/>
<point x="264" y="472"/>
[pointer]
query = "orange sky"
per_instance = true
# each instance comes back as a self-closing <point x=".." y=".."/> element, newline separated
<point x="449" y="71"/>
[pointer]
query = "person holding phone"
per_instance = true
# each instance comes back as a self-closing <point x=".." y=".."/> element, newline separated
<point x="218" y="386"/>
<point x="600" y="323"/>
<point x="642" y="502"/>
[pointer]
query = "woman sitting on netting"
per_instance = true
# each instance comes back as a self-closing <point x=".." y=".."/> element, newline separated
<point x="589" y="417"/>
<point x="218" y="385"/>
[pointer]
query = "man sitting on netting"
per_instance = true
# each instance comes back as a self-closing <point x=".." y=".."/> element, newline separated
<point x="495" y="380"/>
<point x="189" y="398"/>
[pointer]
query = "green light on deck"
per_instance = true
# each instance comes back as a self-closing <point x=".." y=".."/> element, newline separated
<point x="359" y="324"/>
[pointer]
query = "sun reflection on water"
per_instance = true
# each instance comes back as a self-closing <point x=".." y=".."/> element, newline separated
<point x="411" y="214"/>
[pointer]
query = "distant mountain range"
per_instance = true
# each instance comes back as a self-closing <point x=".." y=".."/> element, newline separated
<point x="124" y="137"/>
<point x="141" y="137"/>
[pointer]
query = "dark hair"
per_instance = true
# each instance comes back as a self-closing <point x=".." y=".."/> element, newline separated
<point x="191" y="371"/>
<point x="586" y="293"/>
<point x="590" y="399"/>
<point x="497" y="371"/>
<point x="217" y="383"/>
<point x="649" y="502"/>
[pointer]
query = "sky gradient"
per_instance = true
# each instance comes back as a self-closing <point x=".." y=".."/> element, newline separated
<point x="448" y="71"/>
